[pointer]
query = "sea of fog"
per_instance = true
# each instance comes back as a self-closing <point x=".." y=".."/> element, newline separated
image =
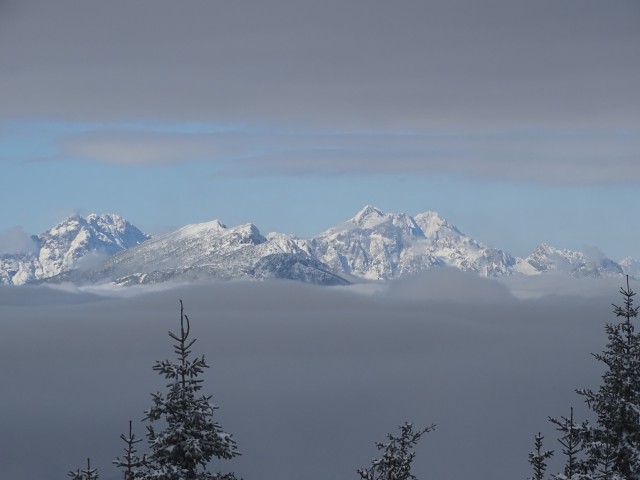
<point x="307" y="378"/>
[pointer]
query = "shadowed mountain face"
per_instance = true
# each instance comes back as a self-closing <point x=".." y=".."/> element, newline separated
<point x="372" y="245"/>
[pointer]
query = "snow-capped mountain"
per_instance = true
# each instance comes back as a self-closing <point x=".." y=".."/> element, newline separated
<point x="546" y="258"/>
<point x="631" y="267"/>
<point x="377" y="245"/>
<point x="458" y="250"/>
<point x="19" y="268"/>
<point x="372" y="245"/>
<point x="74" y="243"/>
<point x="207" y="251"/>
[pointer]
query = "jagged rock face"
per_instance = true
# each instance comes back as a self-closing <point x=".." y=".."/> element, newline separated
<point x="375" y="245"/>
<point x="546" y="258"/>
<point x="62" y="246"/>
<point x="370" y="245"/>
<point x="68" y="244"/>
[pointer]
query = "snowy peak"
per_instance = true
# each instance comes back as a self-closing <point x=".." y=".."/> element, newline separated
<point x="373" y="245"/>
<point x="196" y="229"/>
<point x="377" y="245"/>
<point x="192" y="242"/>
<point x="114" y="230"/>
<point x="431" y="224"/>
<point x="546" y="258"/>
<point x="212" y="251"/>
<point x="368" y="217"/>
<point x="373" y="220"/>
<point x="631" y="267"/>
<point x="99" y="235"/>
<point x="369" y="245"/>
<point x="285" y="243"/>
<point x="106" y="229"/>
<point x="77" y="239"/>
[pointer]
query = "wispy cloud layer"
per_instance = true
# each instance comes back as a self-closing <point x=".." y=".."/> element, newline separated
<point x="550" y="157"/>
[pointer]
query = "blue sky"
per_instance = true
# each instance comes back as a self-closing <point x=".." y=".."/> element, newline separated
<point x="519" y="124"/>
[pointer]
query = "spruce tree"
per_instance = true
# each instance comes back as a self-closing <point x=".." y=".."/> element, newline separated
<point x="189" y="438"/>
<point x="131" y="464"/>
<point x="613" y="443"/>
<point x="84" y="474"/>
<point x="609" y="449"/>
<point x="572" y="447"/>
<point x="398" y="454"/>
<point x="537" y="458"/>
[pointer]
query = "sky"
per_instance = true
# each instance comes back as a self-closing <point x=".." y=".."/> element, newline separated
<point x="519" y="122"/>
<point x="306" y="378"/>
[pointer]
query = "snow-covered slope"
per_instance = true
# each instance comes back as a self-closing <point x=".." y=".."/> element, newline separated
<point x="19" y="268"/>
<point x="456" y="249"/>
<point x="546" y="258"/>
<point x="75" y="243"/>
<point x="372" y="245"/>
<point x="377" y="245"/>
<point x="631" y="267"/>
<point x="211" y="251"/>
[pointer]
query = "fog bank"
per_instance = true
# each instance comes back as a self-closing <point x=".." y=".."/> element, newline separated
<point x="307" y="378"/>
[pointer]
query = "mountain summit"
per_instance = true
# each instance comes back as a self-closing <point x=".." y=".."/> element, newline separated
<point x="546" y="258"/>
<point x="76" y="242"/>
<point x="377" y="245"/>
<point x="373" y="245"/>
<point x="207" y="251"/>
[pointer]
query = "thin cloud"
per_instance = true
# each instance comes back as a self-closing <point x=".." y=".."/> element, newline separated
<point x="543" y="92"/>
<point x="138" y="148"/>
<point x="547" y="157"/>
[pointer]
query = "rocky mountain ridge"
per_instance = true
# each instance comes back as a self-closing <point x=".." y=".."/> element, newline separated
<point x="372" y="245"/>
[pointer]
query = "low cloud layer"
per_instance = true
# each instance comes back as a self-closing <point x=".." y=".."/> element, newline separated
<point x="306" y="378"/>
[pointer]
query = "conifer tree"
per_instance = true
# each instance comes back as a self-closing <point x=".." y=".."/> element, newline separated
<point x="609" y="449"/>
<point x="572" y="447"/>
<point x="84" y="474"/>
<point x="190" y="437"/>
<point x="613" y="444"/>
<point x="398" y="454"/>
<point x="131" y="464"/>
<point x="537" y="458"/>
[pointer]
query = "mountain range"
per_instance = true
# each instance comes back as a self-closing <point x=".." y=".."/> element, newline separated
<point x="370" y="246"/>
